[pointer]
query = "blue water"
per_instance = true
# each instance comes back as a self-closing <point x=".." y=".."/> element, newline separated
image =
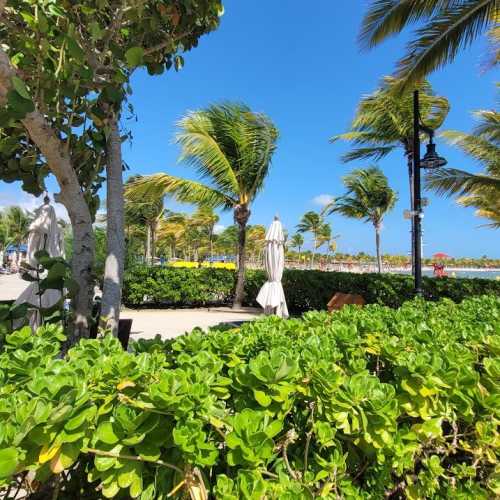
<point x="483" y="274"/>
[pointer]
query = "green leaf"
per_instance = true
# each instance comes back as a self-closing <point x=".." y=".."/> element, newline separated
<point x="178" y="63"/>
<point x="8" y="462"/>
<point x="20" y="88"/>
<point x="134" y="56"/>
<point x="262" y="398"/>
<point x="106" y="434"/>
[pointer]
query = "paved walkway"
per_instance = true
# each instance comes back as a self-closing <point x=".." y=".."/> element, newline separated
<point x="147" y="323"/>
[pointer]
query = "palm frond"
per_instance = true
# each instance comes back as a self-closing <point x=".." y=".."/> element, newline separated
<point x="437" y="43"/>
<point x="201" y="150"/>
<point x="375" y="153"/>
<point x="450" y="181"/>
<point x="489" y="126"/>
<point x="183" y="190"/>
<point x="476" y="146"/>
<point x="231" y="146"/>
<point x="389" y="17"/>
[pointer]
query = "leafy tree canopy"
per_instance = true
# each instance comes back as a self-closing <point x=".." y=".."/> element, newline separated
<point x="73" y="62"/>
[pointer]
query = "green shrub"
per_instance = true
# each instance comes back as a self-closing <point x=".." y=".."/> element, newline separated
<point x="362" y="404"/>
<point x="304" y="290"/>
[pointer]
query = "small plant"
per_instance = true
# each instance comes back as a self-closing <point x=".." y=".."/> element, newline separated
<point x="361" y="404"/>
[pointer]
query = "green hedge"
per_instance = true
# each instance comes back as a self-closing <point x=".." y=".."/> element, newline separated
<point x="304" y="290"/>
<point x="363" y="404"/>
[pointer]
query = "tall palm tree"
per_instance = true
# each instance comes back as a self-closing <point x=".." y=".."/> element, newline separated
<point x="231" y="148"/>
<point x="147" y="211"/>
<point x="311" y="222"/>
<point x="206" y="219"/>
<point x="324" y="235"/>
<point x="297" y="242"/>
<point x="256" y="236"/>
<point x="17" y="222"/>
<point x="369" y="197"/>
<point x="384" y="123"/>
<point x="445" y="27"/>
<point x="475" y="190"/>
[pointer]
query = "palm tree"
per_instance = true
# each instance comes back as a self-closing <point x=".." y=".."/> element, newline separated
<point x="256" y="236"/>
<point x="206" y="219"/>
<point x="475" y="190"/>
<point x="146" y="211"/>
<point x="384" y="123"/>
<point x="448" y="26"/>
<point x="297" y="242"/>
<point x="324" y="235"/>
<point x="17" y="222"/>
<point x="369" y="197"/>
<point x="231" y="148"/>
<point x="311" y="222"/>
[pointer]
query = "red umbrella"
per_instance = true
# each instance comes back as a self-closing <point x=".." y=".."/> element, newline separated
<point x="441" y="256"/>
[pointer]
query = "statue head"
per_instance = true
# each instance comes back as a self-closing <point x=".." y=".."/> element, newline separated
<point x="46" y="199"/>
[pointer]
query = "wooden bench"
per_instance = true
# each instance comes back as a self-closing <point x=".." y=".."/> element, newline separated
<point x="339" y="300"/>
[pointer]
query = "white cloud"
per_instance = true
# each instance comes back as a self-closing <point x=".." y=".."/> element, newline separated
<point x="30" y="203"/>
<point x="322" y="199"/>
<point x="218" y="228"/>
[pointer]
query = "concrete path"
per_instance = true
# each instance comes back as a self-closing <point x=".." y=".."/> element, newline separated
<point x="147" y="323"/>
<point x="170" y="323"/>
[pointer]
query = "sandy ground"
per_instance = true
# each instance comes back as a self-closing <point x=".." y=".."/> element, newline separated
<point x="149" y="322"/>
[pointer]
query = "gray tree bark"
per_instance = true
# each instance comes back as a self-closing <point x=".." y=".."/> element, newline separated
<point x="241" y="216"/>
<point x="377" y="244"/>
<point x="59" y="162"/>
<point x="115" y="232"/>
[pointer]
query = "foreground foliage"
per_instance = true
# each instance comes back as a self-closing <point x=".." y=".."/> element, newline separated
<point x="304" y="290"/>
<point x="361" y="404"/>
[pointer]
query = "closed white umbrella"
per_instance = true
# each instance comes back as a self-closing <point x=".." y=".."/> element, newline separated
<point x="271" y="296"/>
<point x="44" y="234"/>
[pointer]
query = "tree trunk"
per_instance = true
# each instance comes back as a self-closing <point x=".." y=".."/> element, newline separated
<point x="113" y="269"/>
<point x="241" y="216"/>
<point x="154" y="225"/>
<point x="377" y="245"/>
<point x="211" y="243"/>
<point x="148" y="244"/>
<point x="313" y="252"/>
<point x="59" y="162"/>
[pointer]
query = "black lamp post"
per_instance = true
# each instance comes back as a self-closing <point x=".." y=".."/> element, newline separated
<point x="430" y="160"/>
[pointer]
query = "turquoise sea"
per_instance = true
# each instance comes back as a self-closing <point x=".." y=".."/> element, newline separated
<point x="481" y="273"/>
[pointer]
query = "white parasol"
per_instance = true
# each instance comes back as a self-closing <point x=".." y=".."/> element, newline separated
<point x="271" y="296"/>
<point x="44" y="234"/>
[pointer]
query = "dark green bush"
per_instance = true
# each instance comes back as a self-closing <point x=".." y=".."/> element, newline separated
<point x="304" y="290"/>
<point x="362" y="404"/>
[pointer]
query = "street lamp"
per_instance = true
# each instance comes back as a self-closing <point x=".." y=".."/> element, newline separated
<point x="430" y="160"/>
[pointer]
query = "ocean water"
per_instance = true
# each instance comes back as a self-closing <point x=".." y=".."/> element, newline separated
<point x="480" y="273"/>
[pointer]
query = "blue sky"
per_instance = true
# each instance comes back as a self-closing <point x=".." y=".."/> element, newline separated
<point x="302" y="66"/>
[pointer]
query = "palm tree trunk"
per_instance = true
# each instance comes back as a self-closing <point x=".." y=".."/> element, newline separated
<point x="241" y="216"/>
<point x="115" y="236"/>
<point x="153" y="240"/>
<point x="313" y="252"/>
<point x="211" y="243"/>
<point x="377" y="245"/>
<point x="148" y="243"/>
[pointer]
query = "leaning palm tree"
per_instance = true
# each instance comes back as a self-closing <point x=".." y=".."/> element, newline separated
<point x="384" y="123"/>
<point x="446" y="26"/>
<point x="475" y="190"/>
<point x="231" y="148"/>
<point x="146" y="211"/>
<point x="205" y="219"/>
<point x="297" y="242"/>
<point x="369" y="197"/>
<point x="311" y="222"/>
